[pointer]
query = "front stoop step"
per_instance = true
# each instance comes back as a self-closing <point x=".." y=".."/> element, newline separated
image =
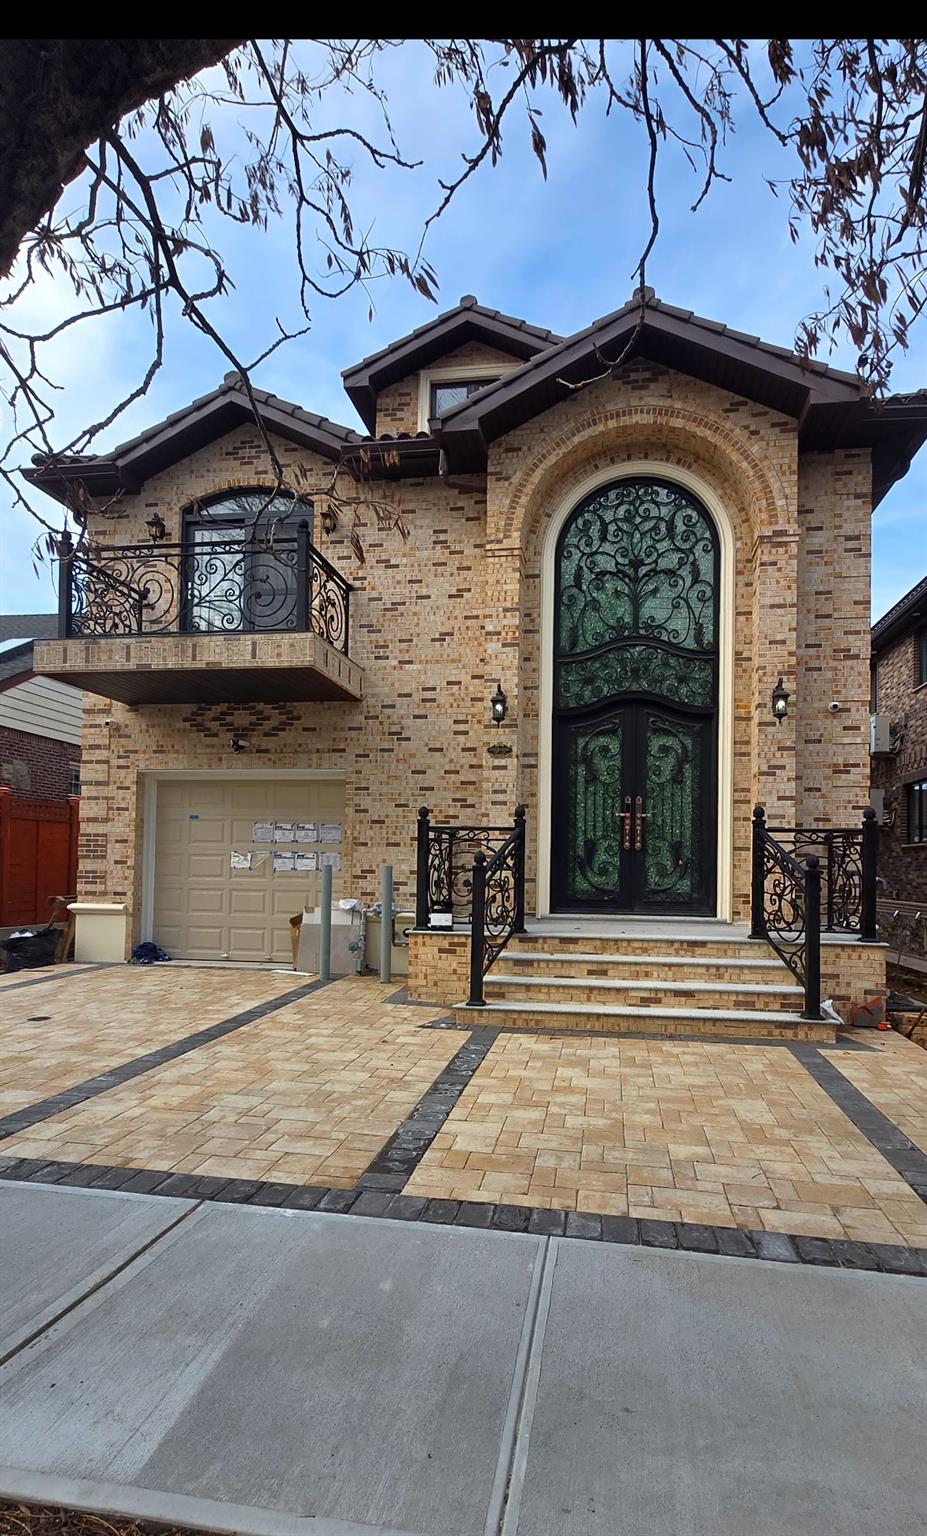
<point x="724" y="995"/>
<point x="724" y="1023"/>
<point x="652" y="962"/>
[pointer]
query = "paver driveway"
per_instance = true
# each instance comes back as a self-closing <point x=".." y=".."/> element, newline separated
<point x="299" y="1084"/>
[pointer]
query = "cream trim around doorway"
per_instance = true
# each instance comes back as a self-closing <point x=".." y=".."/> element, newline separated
<point x="150" y="814"/>
<point x="715" y="507"/>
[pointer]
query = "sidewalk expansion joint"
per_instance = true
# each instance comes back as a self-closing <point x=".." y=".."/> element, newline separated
<point x="505" y="1500"/>
<point x="97" y="1285"/>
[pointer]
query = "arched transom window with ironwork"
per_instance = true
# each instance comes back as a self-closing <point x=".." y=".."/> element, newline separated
<point x="635" y="701"/>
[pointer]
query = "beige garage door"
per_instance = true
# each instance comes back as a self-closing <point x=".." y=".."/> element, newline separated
<point x="204" y="909"/>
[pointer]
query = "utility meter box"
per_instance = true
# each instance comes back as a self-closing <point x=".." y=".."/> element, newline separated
<point x="880" y="735"/>
<point x="400" y="945"/>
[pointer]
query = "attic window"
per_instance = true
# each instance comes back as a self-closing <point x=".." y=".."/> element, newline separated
<point x="454" y="391"/>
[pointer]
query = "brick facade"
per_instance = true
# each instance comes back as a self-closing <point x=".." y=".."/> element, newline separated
<point x="897" y="692"/>
<point x="37" y="765"/>
<point x="436" y="621"/>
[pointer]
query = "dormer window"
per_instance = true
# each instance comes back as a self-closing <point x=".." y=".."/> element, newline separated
<point x="453" y="391"/>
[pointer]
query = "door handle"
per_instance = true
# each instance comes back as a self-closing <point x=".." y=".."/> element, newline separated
<point x="625" y="817"/>
<point x="639" y="818"/>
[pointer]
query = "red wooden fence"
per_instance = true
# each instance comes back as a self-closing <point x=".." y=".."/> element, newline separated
<point x="38" y="855"/>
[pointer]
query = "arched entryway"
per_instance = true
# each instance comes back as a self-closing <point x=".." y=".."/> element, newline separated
<point x="635" y="693"/>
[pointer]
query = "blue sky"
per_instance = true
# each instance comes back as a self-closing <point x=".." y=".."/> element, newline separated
<point x="557" y="253"/>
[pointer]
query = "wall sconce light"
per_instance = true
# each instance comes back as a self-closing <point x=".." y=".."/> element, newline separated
<point x="156" y="528"/>
<point x="780" y="701"/>
<point x="239" y="743"/>
<point x="499" y="705"/>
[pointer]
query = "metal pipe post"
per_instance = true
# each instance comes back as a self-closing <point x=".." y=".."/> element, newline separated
<point x="325" y="925"/>
<point x="386" y="923"/>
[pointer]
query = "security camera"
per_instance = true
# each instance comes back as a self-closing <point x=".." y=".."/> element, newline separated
<point x="110" y="723"/>
<point x="835" y="707"/>
<point x="239" y="743"/>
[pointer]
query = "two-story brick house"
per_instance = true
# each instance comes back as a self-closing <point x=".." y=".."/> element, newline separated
<point x="899" y="762"/>
<point x="635" y="579"/>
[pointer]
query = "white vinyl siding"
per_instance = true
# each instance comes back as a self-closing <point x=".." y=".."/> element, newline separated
<point x="43" y="707"/>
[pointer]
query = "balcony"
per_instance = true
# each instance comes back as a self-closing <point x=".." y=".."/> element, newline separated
<point x="227" y="615"/>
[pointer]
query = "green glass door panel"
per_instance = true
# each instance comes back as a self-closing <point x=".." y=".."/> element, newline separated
<point x="671" y="868"/>
<point x="592" y="805"/>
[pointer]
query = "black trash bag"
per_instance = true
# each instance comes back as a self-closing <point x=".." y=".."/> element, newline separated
<point x="148" y="953"/>
<point x="34" y="949"/>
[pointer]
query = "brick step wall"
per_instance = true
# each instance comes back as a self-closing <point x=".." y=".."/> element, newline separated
<point x="725" y="1024"/>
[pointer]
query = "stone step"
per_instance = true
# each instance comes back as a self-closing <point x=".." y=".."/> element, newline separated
<point x="657" y="991"/>
<point x="536" y="962"/>
<point x="718" y="1023"/>
<point x="717" y="946"/>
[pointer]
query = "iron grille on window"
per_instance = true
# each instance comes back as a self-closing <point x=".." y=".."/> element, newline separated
<point x="917" y="812"/>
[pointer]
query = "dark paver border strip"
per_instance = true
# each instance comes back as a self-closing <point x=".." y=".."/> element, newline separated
<point x="394" y="1164"/>
<point x="61" y="973"/>
<point x="401" y="999"/>
<point x="688" y="1237"/>
<point x="882" y="1133"/>
<point x="32" y="1114"/>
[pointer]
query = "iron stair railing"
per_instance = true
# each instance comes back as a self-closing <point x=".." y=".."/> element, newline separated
<point x="472" y="875"/>
<point x="786" y="906"/>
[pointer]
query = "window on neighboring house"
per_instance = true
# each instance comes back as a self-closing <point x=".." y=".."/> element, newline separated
<point x="74" y="779"/>
<point x="920" y="657"/>
<point x="917" y="812"/>
<point x="453" y="391"/>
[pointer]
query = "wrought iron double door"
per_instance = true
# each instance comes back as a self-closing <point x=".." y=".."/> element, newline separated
<point x="634" y="810"/>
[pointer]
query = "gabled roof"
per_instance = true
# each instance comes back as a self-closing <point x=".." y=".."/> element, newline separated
<point x="211" y="416"/>
<point x="832" y="408"/>
<point x="467" y="321"/>
<point x="16" y="665"/>
<point x="908" y="613"/>
<point x="26" y="627"/>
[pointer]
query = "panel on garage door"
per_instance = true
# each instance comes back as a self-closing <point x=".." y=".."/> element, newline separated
<point x="205" y="910"/>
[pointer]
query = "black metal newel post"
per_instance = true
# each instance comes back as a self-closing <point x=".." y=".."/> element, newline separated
<point x="477" y="935"/>
<point x="870" y="854"/>
<point x="812" y="938"/>
<point x="758" y="877"/>
<point x="303" y="578"/>
<point x="829" y="917"/>
<point x="421" y="868"/>
<point x="518" y="925"/>
<point x="65" y="551"/>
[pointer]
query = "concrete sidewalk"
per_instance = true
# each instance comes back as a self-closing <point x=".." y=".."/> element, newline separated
<point x="271" y="1371"/>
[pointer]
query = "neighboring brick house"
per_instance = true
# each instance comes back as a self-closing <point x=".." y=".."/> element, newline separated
<point x="899" y="773"/>
<point x="628" y="560"/>
<point x="40" y="726"/>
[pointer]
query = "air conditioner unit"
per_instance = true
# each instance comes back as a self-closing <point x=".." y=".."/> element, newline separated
<point x="880" y="734"/>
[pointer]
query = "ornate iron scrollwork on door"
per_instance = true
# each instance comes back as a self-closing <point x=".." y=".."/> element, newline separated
<point x="636" y="627"/>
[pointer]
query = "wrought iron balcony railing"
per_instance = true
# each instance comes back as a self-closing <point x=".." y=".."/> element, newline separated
<point x="218" y="581"/>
